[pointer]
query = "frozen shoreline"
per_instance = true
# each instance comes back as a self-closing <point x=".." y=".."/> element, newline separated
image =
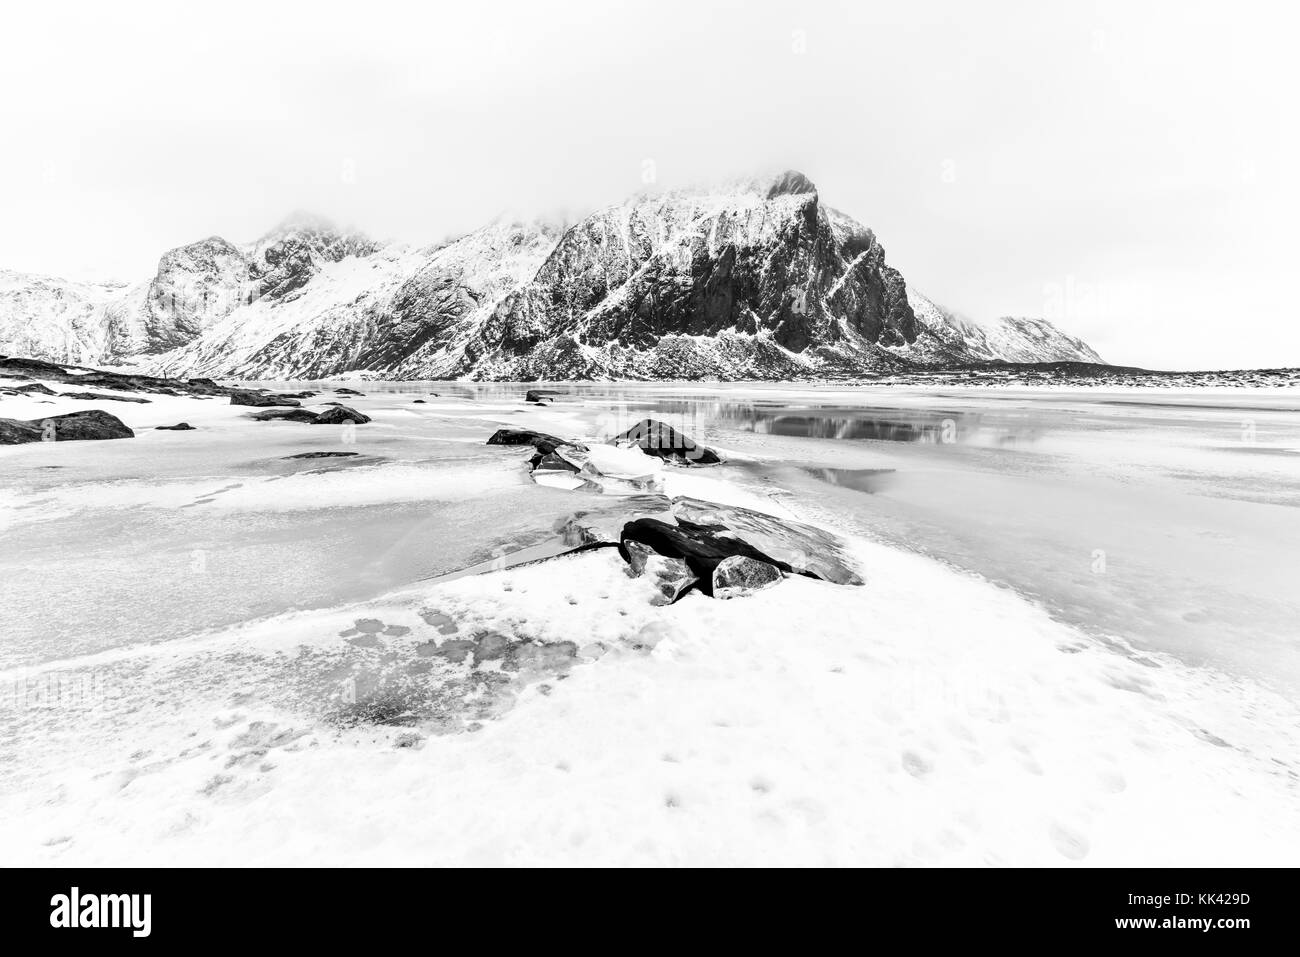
<point x="926" y="718"/>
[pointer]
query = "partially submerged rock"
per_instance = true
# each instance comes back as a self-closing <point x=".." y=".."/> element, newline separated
<point x="738" y="576"/>
<point x="75" y="426"/>
<point x="539" y="395"/>
<point x="321" y="455"/>
<point x="339" y="415"/>
<point x="790" y="545"/>
<point x="702" y="551"/>
<point x="539" y="440"/>
<point x="347" y="392"/>
<point x="663" y="441"/>
<point x="261" y="399"/>
<point x="285" y="415"/>
<point x="178" y="427"/>
<point x="551" y="462"/>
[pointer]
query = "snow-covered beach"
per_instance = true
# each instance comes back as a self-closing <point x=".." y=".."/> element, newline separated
<point x="194" y="610"/>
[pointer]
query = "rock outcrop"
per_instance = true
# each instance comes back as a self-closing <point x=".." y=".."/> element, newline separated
<point x="72" y="427"/>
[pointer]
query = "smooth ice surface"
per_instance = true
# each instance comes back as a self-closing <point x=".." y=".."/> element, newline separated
<point x="219" y="655"/>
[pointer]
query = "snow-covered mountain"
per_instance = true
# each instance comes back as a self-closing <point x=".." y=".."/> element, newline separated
<point x="58" y="319"/>
<point x="756" y="280"/>
<point x="947" y="338"/>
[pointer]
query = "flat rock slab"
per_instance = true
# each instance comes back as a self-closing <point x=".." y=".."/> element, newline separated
<point x="261" y="399"/>
<point x="98" y="396"/>
<point x="285" y="415"/>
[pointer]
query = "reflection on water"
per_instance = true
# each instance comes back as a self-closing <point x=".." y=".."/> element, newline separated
<point x="870" y="481"/>
<point x="837" y="422"/>
<point x="1163" y="523"/>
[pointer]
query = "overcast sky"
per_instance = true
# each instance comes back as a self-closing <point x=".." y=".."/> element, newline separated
<point x="1128" y="170"/>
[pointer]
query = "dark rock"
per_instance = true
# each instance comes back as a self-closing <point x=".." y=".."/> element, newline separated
<point x="347" y="392"/>
<point x="791" y="546"/>
<point x="321" y="455"/>
<point x="738" y="575"/>
<point x="285" y="415"/>
<point x="178" y="427"/>
<point x="669" y="577"/>
<point x="339" y="415"/>
<point x="702" y="551"/>
<point x="82" y="378"/>
<point x="552" y="462"/>
<point x="99" y="397"/>
<point x="261" y="399"/>
<point x="75" y="426"/>
<point x="546" y="444"/>
<point x="539" y="395"/>
<point x="659" y="438"/>
<point x="36" y="387"/>
<point x="418" y="401"/>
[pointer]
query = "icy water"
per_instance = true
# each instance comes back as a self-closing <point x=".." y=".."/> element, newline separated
<point x="1167" y="520"/>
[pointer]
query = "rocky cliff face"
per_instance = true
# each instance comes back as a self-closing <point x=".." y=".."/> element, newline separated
<point x="758" y="280"/>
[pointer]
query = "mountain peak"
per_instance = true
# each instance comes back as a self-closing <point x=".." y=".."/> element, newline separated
<point x="790" y="183"/>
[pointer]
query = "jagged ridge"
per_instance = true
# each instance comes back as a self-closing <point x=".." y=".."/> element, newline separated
<point x="759" y="280"/>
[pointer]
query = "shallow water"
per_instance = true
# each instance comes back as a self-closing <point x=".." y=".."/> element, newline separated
<point x="1168" y="520"/>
